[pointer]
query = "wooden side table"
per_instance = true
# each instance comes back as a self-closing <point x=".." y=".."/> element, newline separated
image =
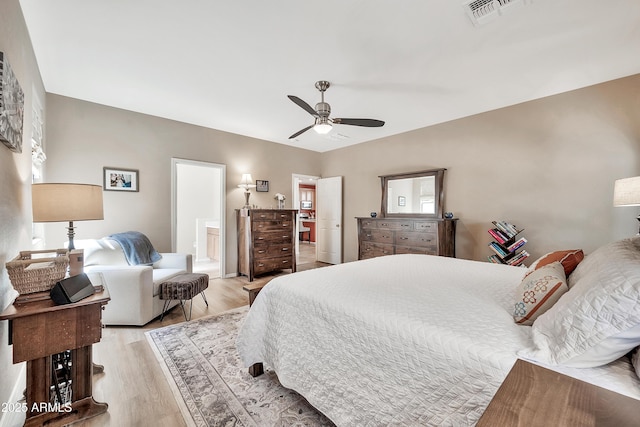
<point x="534" y="396"/>
<point x="40" y="329"/>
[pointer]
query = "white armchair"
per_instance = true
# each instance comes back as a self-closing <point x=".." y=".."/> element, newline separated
<point x="134" y="289"/>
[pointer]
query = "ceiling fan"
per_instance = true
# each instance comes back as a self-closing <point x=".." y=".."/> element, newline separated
<point x="323" y="123"/>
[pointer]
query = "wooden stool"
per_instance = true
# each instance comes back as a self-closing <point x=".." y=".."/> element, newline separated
<point x="183" y="287"/>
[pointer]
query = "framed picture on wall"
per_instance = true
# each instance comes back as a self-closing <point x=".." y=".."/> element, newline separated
<point x="11" y="107"/>
<point x="118" y="179"/>
<point x="262" y="186"/>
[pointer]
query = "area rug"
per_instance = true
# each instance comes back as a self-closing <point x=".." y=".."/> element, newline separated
<point x="212" y="388"/>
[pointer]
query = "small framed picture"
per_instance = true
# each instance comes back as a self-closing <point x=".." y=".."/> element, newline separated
<point x="402" y="201"/>
<point x="118" y="179"/>
<point x="262" y="186"/>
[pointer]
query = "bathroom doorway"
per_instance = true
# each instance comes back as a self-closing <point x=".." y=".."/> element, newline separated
<point x="198" y="213"/>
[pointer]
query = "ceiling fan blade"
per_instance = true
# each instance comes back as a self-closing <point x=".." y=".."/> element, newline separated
<point x="369" y="123"/>
<point x="303" y="104"/>
<point x="301" y="131"/>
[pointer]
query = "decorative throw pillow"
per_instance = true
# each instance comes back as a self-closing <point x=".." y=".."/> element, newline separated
<point x="538" y="292"/>
<point x="598" y="320"/>
<point x="569" y="260"/>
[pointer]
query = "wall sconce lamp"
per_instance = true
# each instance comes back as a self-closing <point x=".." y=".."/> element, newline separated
<point x="247" y="183"/>
<point x="626" y="192"/>
<point x="66" y="202"/>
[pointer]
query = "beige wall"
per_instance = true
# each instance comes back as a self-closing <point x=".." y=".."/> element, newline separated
<point x="15" y="183"/>
<point x="83" y="137"/>
<point x="547" y="165"/>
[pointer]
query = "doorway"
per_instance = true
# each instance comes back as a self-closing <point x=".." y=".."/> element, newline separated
<point x="198" y="213"/>
<point x="304" y="201"/>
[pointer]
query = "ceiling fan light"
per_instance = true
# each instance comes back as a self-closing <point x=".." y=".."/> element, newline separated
<point x="322" y="128"/>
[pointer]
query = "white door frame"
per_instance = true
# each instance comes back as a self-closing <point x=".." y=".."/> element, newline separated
<point x="329" y="220"/>
<point x="223" y="204"/>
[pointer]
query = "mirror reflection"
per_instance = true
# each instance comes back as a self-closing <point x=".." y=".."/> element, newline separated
<point x="411" y="195"/>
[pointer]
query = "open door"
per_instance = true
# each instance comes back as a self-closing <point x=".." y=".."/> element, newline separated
<point x="329" y="220"/>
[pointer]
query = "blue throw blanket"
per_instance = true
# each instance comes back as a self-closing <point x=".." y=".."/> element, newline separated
<point x="137" y="248"/>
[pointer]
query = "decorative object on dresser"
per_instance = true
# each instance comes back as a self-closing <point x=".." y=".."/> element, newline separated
<point x="411" y="219"/>
<point x="506" y="245"/>
<point x="626" y="192"/>
<point x="66" y="202"/>
<point x="265" y="241"/>
<point x="247" y="183"/>
<point x="280" y="198"/>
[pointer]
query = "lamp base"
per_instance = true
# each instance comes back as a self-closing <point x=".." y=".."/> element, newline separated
<point x="71" y="233"/>
<point x="246" y="199"/>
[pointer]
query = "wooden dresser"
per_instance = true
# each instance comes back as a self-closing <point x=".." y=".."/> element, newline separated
<point x="388" y="236"/>
<point x="266" y="240"/>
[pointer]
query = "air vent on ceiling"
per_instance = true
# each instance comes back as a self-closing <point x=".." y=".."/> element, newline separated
<point x="483" y="11"/>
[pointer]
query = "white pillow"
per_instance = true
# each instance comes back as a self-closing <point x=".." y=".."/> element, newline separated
<point x="598" y="320"/>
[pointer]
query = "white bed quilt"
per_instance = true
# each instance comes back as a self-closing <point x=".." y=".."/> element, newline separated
<point x="396" y="340"/>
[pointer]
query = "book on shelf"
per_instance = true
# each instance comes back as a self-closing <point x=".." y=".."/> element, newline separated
<point x="517" y="244"/>
<point x="518" y="258"/>
<point x="497" y="235"/>
<point x="508" y="229"/>
<point x="498" y="249"/>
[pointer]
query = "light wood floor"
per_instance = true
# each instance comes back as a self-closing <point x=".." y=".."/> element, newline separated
<point x="133" y="383"/>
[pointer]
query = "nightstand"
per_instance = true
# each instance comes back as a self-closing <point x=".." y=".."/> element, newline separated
<point x="535" y="396"/>
<point x="39" y="329"/>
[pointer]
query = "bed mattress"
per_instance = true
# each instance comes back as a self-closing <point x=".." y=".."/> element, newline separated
<point x="396" y="340"/>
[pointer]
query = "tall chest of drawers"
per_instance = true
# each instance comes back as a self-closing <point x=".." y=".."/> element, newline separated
<point x="266" y="240"/>
<point x="388" y="236"/>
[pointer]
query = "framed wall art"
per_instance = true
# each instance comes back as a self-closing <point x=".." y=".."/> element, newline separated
<point x="118" y="179"/>
<point x="262" y="186"/>
<point x="11" y="107"/>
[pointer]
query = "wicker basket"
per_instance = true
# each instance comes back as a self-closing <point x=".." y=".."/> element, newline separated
<point x="29" y="275"/>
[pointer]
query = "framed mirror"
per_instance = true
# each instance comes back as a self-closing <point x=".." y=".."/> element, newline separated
<point x="413" y="194"/>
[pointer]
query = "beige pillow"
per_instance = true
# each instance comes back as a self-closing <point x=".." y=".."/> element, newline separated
<point x="538" y="291"/>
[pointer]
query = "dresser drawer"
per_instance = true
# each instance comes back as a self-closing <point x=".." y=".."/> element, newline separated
<point x="372" y="249"/>
<point x="368" y="224"/>
<point x="272" y="215"/>
<point x="264" y="251"/>
<point x="426" y="226"/>
<point x="278" y="236"/>
<point x="272" y="225"/>
<point x="426" y="250"/>
<point x="380" y="236"/>
<point x="414" y="238"/>
<point x="395" y="225"/>
<point x="271" y="264"/>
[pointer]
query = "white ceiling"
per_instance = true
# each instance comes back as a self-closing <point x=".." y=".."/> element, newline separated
<point x="229" y="65"/>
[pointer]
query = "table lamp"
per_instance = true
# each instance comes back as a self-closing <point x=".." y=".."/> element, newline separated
<point x="626" y="192"/>
<point x="66" y="202"/>
<point x="247" y="183"/>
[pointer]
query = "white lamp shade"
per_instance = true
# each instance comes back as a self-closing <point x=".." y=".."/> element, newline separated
<point x="626" y="192"/>
<point x="66" y="202"/>
<point x="246" y="182"/>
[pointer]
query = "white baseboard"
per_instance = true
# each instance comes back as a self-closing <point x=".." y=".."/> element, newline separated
<point x="16" y="418"/>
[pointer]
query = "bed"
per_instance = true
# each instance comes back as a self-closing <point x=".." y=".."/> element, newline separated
<point x="426" y="340"/>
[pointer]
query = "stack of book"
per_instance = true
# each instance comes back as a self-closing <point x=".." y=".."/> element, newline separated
<point x="506" y="245"/>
